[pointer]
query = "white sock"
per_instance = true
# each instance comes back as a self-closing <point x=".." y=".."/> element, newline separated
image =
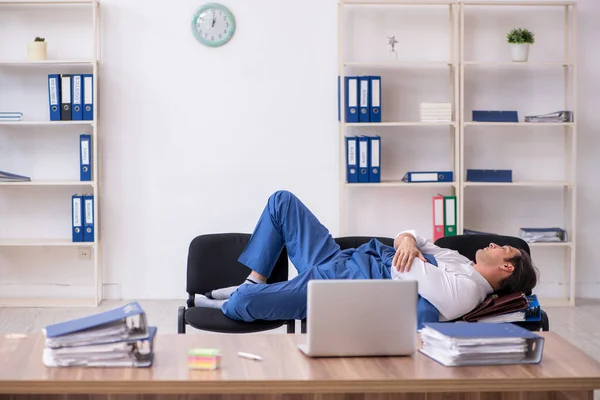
<point x="203" y="301"/>
<point x="225" y="293"/>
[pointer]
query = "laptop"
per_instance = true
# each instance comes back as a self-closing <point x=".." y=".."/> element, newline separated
<point x="375" y="317"/>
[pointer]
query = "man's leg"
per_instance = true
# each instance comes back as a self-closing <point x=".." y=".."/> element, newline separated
<point x="279" y="301"/>
<point x="285" y="220"/>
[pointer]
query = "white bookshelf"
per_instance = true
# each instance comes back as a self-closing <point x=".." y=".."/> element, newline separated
<point x="442" y="64"/>
<point x="461" y="68"/>
<point x="47" y="192"/>
<point x="567" y="183"/>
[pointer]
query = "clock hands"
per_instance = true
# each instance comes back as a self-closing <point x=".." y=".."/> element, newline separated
<point x="214" y="19"/>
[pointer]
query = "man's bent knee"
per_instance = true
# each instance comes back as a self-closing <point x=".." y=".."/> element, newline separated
<point x="237" y="308"/>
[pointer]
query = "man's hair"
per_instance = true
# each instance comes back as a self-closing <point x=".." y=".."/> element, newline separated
<point x="523" y="278"/>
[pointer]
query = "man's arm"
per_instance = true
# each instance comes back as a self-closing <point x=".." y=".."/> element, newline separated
<point x="424" y="245"/>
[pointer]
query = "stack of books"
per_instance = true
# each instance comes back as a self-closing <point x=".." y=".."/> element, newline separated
<point x="8" y="177"/>
<point x="119" y="337"/>
<point x="10" y="115"/>
<point x="533" y="235"/>
<point x="436" y="112"/>
<point x="474" y="343"/>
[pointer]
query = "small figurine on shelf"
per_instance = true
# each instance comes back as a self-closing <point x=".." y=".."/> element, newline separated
<point x="392" y="53"/>
<point x="36" y="50"/>
<point x="519" y="40"/>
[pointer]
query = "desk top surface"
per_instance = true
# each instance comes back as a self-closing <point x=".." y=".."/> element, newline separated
<point x="285" y="369"/>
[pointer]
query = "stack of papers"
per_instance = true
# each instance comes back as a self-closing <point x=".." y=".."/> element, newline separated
<point x="436" y="112"/>
<point x="533" y="235"/>
<point x="8" y="177"/>
<point x="558" y="116"/>
<point x="10" y="115"/>
<point x="474" y="343"/>
<point x="119" y="337"/>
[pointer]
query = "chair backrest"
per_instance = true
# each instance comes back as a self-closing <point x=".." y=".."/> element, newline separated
<point x="352" y="242"/>
<point x="467" y="245"/>
<point x="213" y="262"/>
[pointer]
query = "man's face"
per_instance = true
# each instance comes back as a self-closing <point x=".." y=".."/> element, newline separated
<point x="494" y="255"/>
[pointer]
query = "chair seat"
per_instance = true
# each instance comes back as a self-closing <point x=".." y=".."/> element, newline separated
<point x="213" y="320"/>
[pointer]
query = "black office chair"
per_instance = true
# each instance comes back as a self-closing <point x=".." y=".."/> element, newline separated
<point x="212" y="264"/>
<point x="467" y="245"/>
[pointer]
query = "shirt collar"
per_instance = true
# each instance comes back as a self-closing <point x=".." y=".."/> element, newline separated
<point x="480" y="280"/>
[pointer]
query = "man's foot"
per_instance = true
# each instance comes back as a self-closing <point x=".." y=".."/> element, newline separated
<point x="225" y="293"/>
<point x="203" y="301"/>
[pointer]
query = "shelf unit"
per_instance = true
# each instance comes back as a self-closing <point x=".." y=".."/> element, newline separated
<point x="397" y="67"/>
<point x="567" y="184"/>
<point x="93" y="296"/>
<point x="459" y="68"/>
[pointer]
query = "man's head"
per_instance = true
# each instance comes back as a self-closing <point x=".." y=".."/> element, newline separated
<point x="507" y="268"/>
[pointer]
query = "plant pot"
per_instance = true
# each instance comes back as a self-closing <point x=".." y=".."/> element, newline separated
<point x="36" y="51"/>
<point x="519" y="51"/>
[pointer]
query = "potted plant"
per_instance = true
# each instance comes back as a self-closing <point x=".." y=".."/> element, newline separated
<point x="520" y="40"/>
<point x="36" y="50"/>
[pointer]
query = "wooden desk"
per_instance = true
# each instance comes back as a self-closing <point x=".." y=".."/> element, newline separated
<point x="285" y="373"/>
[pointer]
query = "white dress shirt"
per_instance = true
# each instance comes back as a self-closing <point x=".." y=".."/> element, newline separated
<point x="454" y="287"/>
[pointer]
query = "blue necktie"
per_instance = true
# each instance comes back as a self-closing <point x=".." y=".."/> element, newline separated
<point x="425" y="310"/>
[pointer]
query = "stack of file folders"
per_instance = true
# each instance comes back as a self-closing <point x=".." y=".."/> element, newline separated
<point x="10" y="115"/>
<point x="532" y="312"/>
<point x="436" y="112"/>
<point x="474" y="343"/>
<point x="119" y="337"/>
<point x="558" y="116"/>
<point x="8" y="177"/>
<point x="533" y="235"/>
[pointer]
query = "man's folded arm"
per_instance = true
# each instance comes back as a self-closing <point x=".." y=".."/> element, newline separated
<point x="422" y="243"/>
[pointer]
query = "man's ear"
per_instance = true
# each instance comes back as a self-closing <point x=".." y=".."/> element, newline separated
<point x="508" y="267"/>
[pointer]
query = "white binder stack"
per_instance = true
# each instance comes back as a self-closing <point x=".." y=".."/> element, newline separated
<point x="436" y="112"/>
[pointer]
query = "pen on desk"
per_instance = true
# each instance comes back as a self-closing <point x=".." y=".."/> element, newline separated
<point x="250" y="356"/>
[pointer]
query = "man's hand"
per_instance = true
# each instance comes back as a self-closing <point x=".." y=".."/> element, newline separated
<point x="406" y="252"/>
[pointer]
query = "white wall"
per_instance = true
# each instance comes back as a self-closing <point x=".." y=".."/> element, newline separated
<point x="195" y="139"/>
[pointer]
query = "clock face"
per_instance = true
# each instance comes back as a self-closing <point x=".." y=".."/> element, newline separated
<point x="213" y="25"/>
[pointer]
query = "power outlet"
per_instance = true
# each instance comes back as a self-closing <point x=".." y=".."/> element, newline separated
<point x="84" y="253"/>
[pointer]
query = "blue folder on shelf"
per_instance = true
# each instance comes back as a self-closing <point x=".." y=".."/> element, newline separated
<point x="77" y="106"/>
<point x="85" y="157"/>
<point x="364" y="99"/>
<point x="495" y="116"/>
<point x="54" y="96"/>
<point x="375" y="102"/>
<point x="374" y="159"/>
<point x="77" y="218"/>
<point x="351" y="159"/>
<point x="88" y="218"/>
<point x="363" y="159"/>
<point x="88" y="97"/>
<point x="489" y="175"/>
<point x="428" y="176"/>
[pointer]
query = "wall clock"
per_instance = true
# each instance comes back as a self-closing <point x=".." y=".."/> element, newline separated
<point x="213" y="25"/>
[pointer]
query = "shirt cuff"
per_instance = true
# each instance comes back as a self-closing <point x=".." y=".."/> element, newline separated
<point x="412" y="232"/>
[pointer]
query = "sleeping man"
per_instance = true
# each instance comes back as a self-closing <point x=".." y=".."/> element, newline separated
<point x="451" y="283"/>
